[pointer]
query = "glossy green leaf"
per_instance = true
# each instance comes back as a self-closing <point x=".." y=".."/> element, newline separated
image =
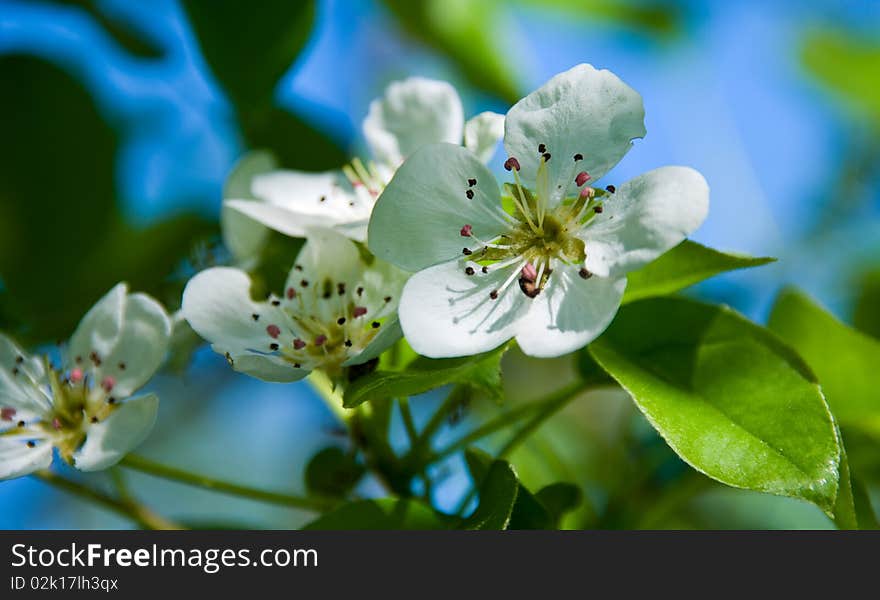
<point x="657" y="16"/>
<point x="498" y="493"/>
<point x="845" y="360"/>
<point x="333" y="472"/>
<point x="683" y="266"/>
<point x="385" y="513"/>
<point x="731" y="399"/>
<point x="482" y="371"/>
<point x="528" y="512"/>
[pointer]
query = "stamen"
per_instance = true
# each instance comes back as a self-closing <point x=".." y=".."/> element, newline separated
<point x="582" y="178"/>
<point x="466" y="231"/>
<point x="611" y="189"/>
<point x="469" y="271"/>
<point x="7" y="413"/>
<point x="273" y="346"/>
<point x="76" y="375"/>
<point x="255" y="317"/>
<point x="319" y="341"/>
<point x="298" y="344"/>
<point x="529" y="272"/>
<point x="107" y="383"/>
<point x="375" y="324"/>
<point x="469" y="194"/>
<point x="511" y="164"/>
<point x="584" y="273"/>
<point x="578" y="157"/>
<point x="542" y="148"/>
<point x="472" y="182"/>
<point x="291" y="293"/>
<point x="359" y="311"/>
<point x="274" y="331"/>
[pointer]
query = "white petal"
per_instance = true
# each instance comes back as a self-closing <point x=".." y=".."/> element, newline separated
<point x="646" y="217"/>
<point x="20" y="382"/>
<point x="327" y="254"/>
<point x="17" y="459"/>
<point x="411" y="114"/>
<point x="267" y="368"/>
<point x="108" y="441"/>
<point x="482" y="134"/>
<point x="445" y="313"/>
<point x="418" y="218"/>
<point x="242" y="235"/>
<point x="279" y="218"/>
<point x="218" y="305"/>
<point x="130" y="334"/>
<point x="580" y="111"/>
<point x="570" y="313"/>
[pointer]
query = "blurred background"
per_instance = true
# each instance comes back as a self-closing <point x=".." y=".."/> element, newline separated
<point x="121" y="120"/>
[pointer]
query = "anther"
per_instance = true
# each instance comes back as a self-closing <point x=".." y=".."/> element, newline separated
<point x="298" y="344"/>
<point x="597" y="209"/>
<point x="31" y="444"/>
<point x="387" y="299"/>
<point x="542" y="148"/>
<point x="469" y="194"/>
<point x="21" y="423"/>
<point x="584" y="273"/>
<point x="472" y="182"/>
<point x="107" y="383"/>
<point x="94" y="419"/>
<point x="304" y="283"/>
<point x="111" y="400"/>
<point x="322" y="199"/>
<point x="255" y="317"/>
<point x="340" y="288"/>
<point x="15" y="371"/>
<point x="76" y="375"/>
<point x="546" y="157"/>
<point x="340" y="321"/>
<point x="485" y="269"/>
<point x="19" y="359"/>
<point x="276" y="302"/>
<point x="466" y="251"/>
<point x="121" y="366"/>
<point x="610" y="188"/>
<point x="466" y="231"/>
<point x="469" y="271"/>
<point x="56" y="423"/>
<point x="493" y="294"/>
<point x="360" y="291"/>
<point x="291" y="293"/>
<point x="273" y="346"/>
<point x="6" y="413"/>
<point x="375" y="324"/>
<point x="511" y="164"/>
<point x="296" y="365"/>
<point x="298" y="267"/>
<point x="95" y="358"/>
<point x="320" y="340"/>
<point x="359" y="311"/>
<point x="582" y="178"/>
<point x="348" y="343"/>
<point x="578" y="157"/>
<point x="273" y="330"/>
<point x="587" y="192"/>
<point x="529" y="272"/>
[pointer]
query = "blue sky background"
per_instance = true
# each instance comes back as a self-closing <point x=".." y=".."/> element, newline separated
<point x="728" y="97"/>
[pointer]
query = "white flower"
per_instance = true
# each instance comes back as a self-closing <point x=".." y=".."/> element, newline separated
<point x="336" y="311"/>
<point x="411" y="114"/>
<point x="84" y="408"/>
<point x="545" y="261"/>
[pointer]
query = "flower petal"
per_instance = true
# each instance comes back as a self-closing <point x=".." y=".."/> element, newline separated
<point x="580" y="111"/>
<point x="646" y="217"/>
<point x="412" y="113"/>
<point x="445" y="313"/>
<point x="242" y="235"/>
<point x="108" y="441"/>
<point x="18" y="459"/>
<point x="21" y="377"/>
<point x="569" y="313"/>
<point x="418" y="218"/>
<point x="482" y="134"/>
<point x="131" y="344"/>
<point x="268" y="368"/>
<point x="129" y="334"/>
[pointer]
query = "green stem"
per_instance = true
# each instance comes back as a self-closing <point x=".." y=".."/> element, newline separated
<point x="548" y="407"/>
<point x="408" y="421"/>
<point x="139" y="463"/>
<point x="126" y="508"/>
<point x="423" y="441"/>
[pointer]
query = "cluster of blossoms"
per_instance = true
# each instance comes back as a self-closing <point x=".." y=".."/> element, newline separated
<point x="420" y="242"/>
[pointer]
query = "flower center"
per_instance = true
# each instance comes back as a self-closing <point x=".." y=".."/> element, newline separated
<point x="545" y="228"/>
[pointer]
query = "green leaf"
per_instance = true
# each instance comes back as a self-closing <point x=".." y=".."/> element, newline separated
<point x="482" y="371"/>
<point x="249" y="45"/>
<point x="729" y="398"/>
<point x="656" y="17"/>
<point x="332" y="472"/>
<point x="847" y="64"/>
<point x="845" y="360"/>
<point x="683" y="266"/>
<point x="385" y="513"/>
<point x="498" y="493"/>
<point x="866" y="316"/>
<point x="558" y="499"/>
